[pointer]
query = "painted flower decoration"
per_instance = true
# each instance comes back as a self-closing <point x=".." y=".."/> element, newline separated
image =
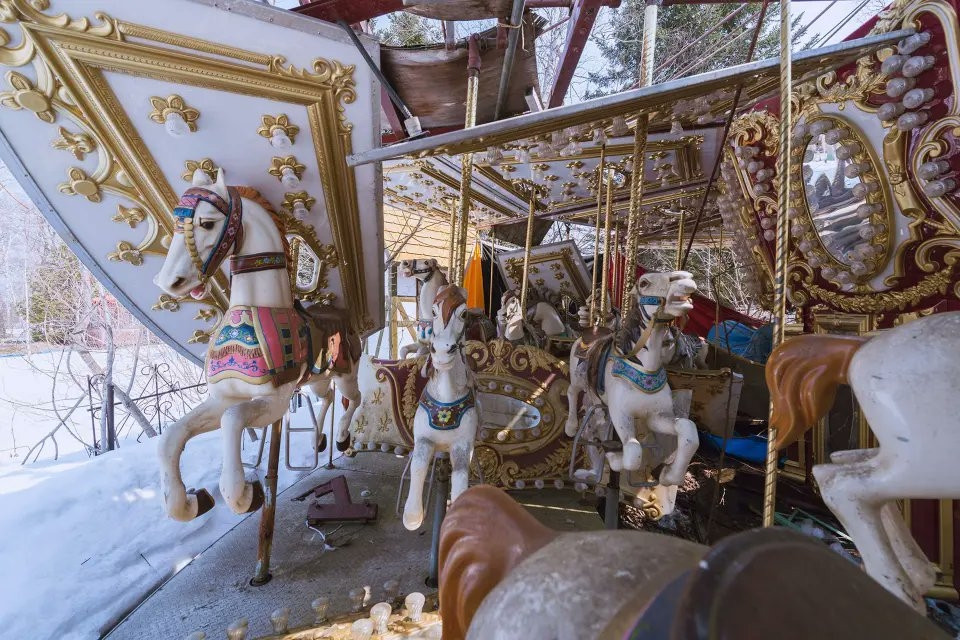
<point x="444" y="416"/>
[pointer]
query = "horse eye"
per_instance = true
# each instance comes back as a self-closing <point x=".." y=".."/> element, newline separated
<point x="452" y="348"/>
<point x="207" y="224"/>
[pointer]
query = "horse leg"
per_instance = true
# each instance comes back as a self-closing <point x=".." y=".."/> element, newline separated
<point x="349" y="389"/>
<point x="420" y="461"/>
<point x="407" y="349"/>
<point x="856" y="496"/>
<point x="178" y="503"/>
<point x="912" y="558"/>
<point x="460" y="455"/>
<point x="573" y="399"/>
<point x="323" y="389"/>
<point x="240" y="495"/>
<point x="625" y="426"/>
<point x="687" y="442"/>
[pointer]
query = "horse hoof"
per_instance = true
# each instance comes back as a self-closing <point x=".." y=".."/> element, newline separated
<point x="258" y="497"/>
<point x="343" y="446"/>
<point x="205" y="501"/>
<point x="322" y="445"/>
<point x="412" y="522"/>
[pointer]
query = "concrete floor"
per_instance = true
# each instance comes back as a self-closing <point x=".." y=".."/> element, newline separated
<point x="213" y="590"/>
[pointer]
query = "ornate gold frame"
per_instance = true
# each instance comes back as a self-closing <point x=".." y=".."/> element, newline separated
<point x="71" y="56"/>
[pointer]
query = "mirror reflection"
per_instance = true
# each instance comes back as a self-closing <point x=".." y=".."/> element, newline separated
<point x="834" y="196"/>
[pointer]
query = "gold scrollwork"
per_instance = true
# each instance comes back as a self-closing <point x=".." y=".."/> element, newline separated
<point x="199" y="336"/>
<point x="25" y="96"/>
<point x="163" y="107"/>
<point x="207" y="314"/>
<point x="131" y="216"/>
<point x="876" y="302"/>
<point x="166" y="302"/>
<point x="79" y="144"/>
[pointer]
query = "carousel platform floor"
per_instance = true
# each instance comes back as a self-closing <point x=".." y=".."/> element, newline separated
<point x="213" y="590"/>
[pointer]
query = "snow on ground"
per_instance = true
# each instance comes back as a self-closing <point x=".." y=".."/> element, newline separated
<point x="86" y="539"/>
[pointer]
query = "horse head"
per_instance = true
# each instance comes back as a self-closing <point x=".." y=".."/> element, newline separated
<point x="208" y="221"/>
<point x="420" y="269"/>
<point x="665" y="296"/>
<point x="449" y="324"/>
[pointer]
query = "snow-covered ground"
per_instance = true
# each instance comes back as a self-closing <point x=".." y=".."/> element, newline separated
<point x="85" y="539"/>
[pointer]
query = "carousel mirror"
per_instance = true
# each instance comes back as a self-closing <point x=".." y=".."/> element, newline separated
<point x="307" y="265"/>
<point x="508" y="417"/>
<point x="845" y="202"/>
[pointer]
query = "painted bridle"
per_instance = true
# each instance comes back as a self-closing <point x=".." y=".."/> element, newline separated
<point x="231" y="235"/>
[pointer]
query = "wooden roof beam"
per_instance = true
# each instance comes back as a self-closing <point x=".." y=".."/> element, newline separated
<point x="350" y="11"/>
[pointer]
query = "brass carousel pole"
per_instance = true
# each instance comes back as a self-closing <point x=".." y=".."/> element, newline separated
<point x="606" y="243"/>
<point x="493" y="259"/>
<point x="639" y="155"/>
<point x="683" y="216"/>
<point x="596" y="236"/>
<point x="783" y="205"/>
<point x="466" y="161"/>
<point x="533" y="190"/>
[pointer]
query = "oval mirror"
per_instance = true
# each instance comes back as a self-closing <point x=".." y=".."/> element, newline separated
<point x="845" y="202"/>
<point x="508" y="419"/>
<point x="306" y="263"/>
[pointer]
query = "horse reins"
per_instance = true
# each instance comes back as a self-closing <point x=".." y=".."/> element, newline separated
<point x="231" y="236"/>
<point x="648" y="330"/>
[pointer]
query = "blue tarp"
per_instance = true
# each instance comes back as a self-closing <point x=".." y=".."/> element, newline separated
<point x="738" y="338"/>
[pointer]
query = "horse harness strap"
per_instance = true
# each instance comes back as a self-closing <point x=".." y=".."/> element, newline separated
<point x="231" y="236"/>
<point x="648" y="331"/>
<point x="446" y="416"/>
<point x="257" y="262"/>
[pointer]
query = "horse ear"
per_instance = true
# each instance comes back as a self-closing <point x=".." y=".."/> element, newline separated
<point x="200" y="179"/>
<point x="432" y="263"/>
<point x="220" y="186"/>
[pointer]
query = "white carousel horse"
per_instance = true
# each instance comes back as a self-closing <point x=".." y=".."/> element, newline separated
<point x="261" y="351"/>
<point x="905" y="381"/>
<point x="633" y="386"/>
<point x="447" y="415"/>
<point x="514" y="325"/>
<point x="431" y="280"/>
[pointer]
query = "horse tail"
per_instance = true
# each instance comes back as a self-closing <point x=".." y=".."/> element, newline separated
<point x="802" y="375"/>
<point x="483" y="537"/>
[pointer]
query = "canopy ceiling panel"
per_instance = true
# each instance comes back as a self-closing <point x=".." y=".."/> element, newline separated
<point x="665" y="102"/>
<point x="83" y="130"/>
<point x="433" y="81"/>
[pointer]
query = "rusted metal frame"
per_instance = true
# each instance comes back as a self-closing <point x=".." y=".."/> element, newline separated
<point x="583" y="14"/>
<point x="506" y="70"/>
<point x="390" y="110"/>
<point x="268" y="513"/>
<point x="351" y="11"/>
<point x="723" y="139"/>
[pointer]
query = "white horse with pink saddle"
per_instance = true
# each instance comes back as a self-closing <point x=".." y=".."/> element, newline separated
<point x="264" y="347"/>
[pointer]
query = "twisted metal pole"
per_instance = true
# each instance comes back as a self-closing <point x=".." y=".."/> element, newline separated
<point x="605" y="276"/>
<point x="596" y="235"/>
<point x="783" y="204"/>
<point x="459" y="253"/>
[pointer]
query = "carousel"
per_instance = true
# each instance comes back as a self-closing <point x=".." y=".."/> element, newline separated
<point x="228" y="178"/>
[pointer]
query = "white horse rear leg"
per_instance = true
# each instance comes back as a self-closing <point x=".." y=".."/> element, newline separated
<point x="323" y="389"/>
<point x="349" y="389"/>
<point x="419" y="463"/>
<point x="625" y="426"/>
<point x="179" y="504"/>
<point x="855" y="496"/>
<point x="912" y="558"/>
<point x="687" y="443"/>
<point x="240" y="495"/>
<point x="573" y="400"/>
<point x="460" y="455"/>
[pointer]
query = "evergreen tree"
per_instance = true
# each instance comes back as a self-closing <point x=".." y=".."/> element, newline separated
<point x="620" y="42"/>
<point x="405" y="29"/>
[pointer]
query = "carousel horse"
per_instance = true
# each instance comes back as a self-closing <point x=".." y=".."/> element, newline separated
<point x="632" y="382"/>
<point x="431" y="279"/>
<point x="539" y="323"/>
<point x="905" y="381"/>
<point x="504" y="575"/>
<point x="264" y="348"/>
<point x="447" y="414"/>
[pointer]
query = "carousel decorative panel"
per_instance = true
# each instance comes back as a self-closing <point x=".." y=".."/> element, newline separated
<point x="111" y="108"/>
<point x="557" y="271"/>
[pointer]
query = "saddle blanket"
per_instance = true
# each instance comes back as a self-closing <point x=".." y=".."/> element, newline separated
<point x="446" y="416"/>
<point x="258" y="345"/>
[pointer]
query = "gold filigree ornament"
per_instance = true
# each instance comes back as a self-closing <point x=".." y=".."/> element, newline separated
<point x="199" y="336"/>
<point x="173" y="106"/>
<point x="166" y="302"/>
<point x="270" y="125"/>
<point x="24" y="95"/>
<point x="207" y="314"/>
<point x="131" y="216"/>
<point x="206" y="165"/>
<point x="80" y="184"/>
<point x="126" y="252"/>
<point x="79" y="144"/>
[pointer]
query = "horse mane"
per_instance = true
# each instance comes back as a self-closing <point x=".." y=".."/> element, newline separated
<point x="253" y="195"/>
<point x="631" y="329"/>
<point x="484" y="535"/>
<point x="803" y="374"/>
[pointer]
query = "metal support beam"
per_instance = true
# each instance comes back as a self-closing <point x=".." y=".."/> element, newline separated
<point x="350" y="11"/>
<point x="516" y="26"/>
<point x="583" y="14"/>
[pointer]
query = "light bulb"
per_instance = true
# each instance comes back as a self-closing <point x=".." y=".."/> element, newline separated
<point x="858" y="268"/>
<point x="288" y="178"/>
<point x="939" y="188"/>
<point x="892" y="64"/>
<point x="918" y="97"/>
<point x="835" y="135"/>
<point x="300" y="211"/>
<point x="764" y="174"/>
<point x="828" y="272"/>
<point x="523" y="155"/>
<point x="599" y="136"/>
<point x="896" y="87"/>
<point x="866" y="210"/>
<point x="933" y="169"/>
<point x="916" y="65"/>
<point x="867" y="232"/>
<point x="767" y="223"/>
<point x="804" y="246"/>
<point x="793" y="213"/>
<point x="814" y="261"/>
<point x="861" y="189"/>
<point x="769" y="235"/>
<point x="619" y="127"/>
<point x="279" y="619"/>
<point x="676" y="128"/>
<point x="913" y="42"/>
<point x="175" y="125"/>
<point x="910" y="121"/>
<point x="361" y="629"/>
<point x="754" y="166"/>
<point x="847" y="151"/>
<point x="889" y="111"/>
<point x="820" y="127"/>
<point x="413" y="603"/>
<point x="843" y="277"/>
<point x="279" y="139"/>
